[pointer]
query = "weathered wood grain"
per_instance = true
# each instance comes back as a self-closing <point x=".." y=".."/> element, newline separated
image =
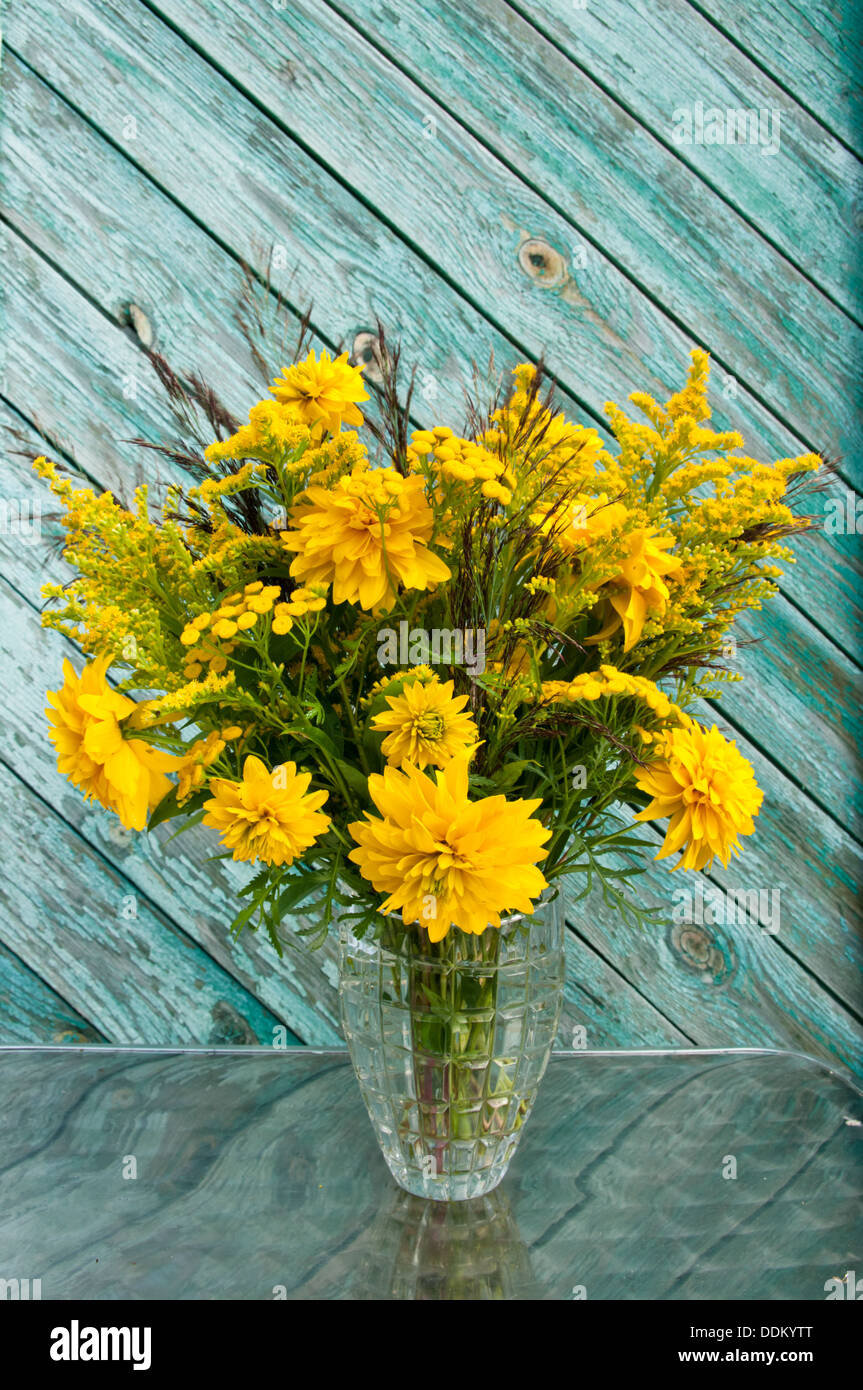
<point x="656" y="56"/>
<point x="780" y="1118"/>
<point x="83" y="927"/>
<point x="767" y="325"/>
<point x="809" y="49"/>
<point x="32" y="1012"/>
<point x="735" y="985"/>
<point x="800" y="703"/>
<point x="116" y="277"/>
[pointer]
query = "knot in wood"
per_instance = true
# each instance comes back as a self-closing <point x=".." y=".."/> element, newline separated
<point x="545" y="266"/>
<point x="142" y="325"/>
<point x="700" y="952"/>
<point x="366" y="353"/>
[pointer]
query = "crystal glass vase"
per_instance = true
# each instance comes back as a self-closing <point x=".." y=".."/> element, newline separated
<point x="450" y="1040"/>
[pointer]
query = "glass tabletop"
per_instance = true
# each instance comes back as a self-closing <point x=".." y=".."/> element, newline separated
<point x="249" y="1173"/>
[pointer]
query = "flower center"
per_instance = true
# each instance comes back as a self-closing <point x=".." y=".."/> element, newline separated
<point x="429" y="726"/>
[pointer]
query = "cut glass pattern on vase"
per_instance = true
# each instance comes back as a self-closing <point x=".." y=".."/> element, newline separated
<point x="450" y="1042"/>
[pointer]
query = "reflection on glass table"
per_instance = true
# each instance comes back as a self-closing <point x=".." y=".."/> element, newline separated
<point x="253" y="1174"/>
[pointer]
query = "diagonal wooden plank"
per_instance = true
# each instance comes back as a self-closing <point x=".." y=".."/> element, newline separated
<point x="657" y="57"/>
<point x="766" y="323"/>
<point x="800" y="703"/>
<point x="95" y="185"/>
<point x="82" y="927"/>
<point x="32" y="1012"/>
<point x="806" y="49"/>
<point x="598" y="329"/>
<point x="735" y="986"/>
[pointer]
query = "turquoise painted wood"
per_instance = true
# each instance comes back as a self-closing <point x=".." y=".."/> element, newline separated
<point x="148" y="148"/>
<point x="810" y="50"/>
<point x="247" y="213"/>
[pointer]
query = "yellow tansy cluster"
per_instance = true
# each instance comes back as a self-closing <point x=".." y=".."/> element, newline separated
<point x="463" y="460"/>
<point x="211" y="637"/>
<point x="608" y="680"/>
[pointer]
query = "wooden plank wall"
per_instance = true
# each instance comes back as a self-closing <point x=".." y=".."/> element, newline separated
<point x="495" y="176"/>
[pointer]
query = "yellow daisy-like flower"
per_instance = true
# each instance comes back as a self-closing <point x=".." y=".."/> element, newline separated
<point x="271" y="816"/>
<point x="640" y="587"/>
<point x="708" y="788"/>
<point x="426" y="725"/>
<point x="125" y="775"/>
<point x="365" y="536"/>
<point x="324" y="392"/>
<point x="579" y="520"/>
<point x="443" y="860"/>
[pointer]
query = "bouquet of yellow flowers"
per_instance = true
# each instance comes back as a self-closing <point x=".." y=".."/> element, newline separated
<point x="415" y="679"/>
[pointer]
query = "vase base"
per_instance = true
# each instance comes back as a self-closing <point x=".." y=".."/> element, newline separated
<point x="447" y="1187"/>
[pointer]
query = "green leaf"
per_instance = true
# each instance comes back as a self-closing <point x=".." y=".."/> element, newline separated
<point x="257" y="884"/>
<point x="242" y="918"/>
<point x="297" y="892"/>
<point x="355" y="779"/>
<point x="169" y="807"/>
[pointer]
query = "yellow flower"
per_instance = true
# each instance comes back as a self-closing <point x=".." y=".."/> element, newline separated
<point x="707" y="788"/>
<point x="322" y="392"/>
<point x="270" y="816"/>
<point x="124" y="775"/>
<point x="365" y="536"/>
<point x="444" y="860"/>
<point x="639" y="587"/>
<point x="427" y="725"/>
<point x="192" y="769"/>
<point x="272" y="428"/>
<point x="579" y="520"/>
